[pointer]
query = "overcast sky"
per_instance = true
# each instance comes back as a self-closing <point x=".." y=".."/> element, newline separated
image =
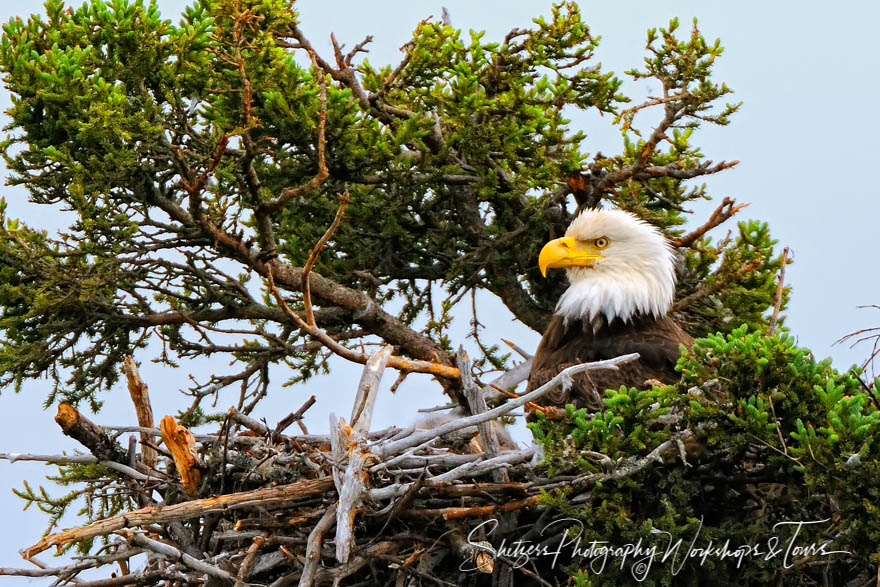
<point x="806" y="139"/>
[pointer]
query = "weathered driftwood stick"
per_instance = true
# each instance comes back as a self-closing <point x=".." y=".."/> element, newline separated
<point x="472" y="469"/>
<point x="340" y="444"/>
<point x="65" y="459"/>
<point x="443" y="408"/>
<point x="490" y="445"/>
<point x="267" y="497"/>
<point x="477" y="404"/>
<point x="395" y="461"/>
<point x="140" y="397"/>
<point x="368" y="388"/>
<point x="90" y="563"/>
<point x="482" y="467"/>
<point x="563" y="378"/>
<point x="313" y="550"/>
<point x="89" y="434"/>
<point x="351" y="483"/>
<point x="168" y="551"/>
<point x="354" y="487"/>
<point x="351" y="442"/>
<point x="182" y="445"/>
<point x="172" y="575"/>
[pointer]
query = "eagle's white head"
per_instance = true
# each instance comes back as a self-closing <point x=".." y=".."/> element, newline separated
<point x="618" y="266"/>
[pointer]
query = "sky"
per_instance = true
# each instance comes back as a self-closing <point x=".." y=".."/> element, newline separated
<point x="805" y="136"/>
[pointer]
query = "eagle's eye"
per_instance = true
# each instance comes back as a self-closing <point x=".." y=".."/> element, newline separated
<point x="601" y="242"/>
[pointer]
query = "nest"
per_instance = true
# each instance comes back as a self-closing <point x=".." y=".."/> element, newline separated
<point x="253" y="505"/>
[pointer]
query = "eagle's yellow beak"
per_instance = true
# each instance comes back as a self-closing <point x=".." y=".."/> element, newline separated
<point x="567" y="252"/>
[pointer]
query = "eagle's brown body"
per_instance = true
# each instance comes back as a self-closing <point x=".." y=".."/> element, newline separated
<point x="657" y="340"/>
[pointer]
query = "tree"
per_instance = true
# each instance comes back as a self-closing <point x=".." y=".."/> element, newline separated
<point x="201" y="158"/>
<point x="238" y="194"/>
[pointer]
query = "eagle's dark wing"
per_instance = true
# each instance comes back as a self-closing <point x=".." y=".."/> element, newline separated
<point x="563" y="345"/>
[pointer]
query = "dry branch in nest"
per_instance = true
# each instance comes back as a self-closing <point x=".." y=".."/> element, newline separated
<point x="252" y="506"/>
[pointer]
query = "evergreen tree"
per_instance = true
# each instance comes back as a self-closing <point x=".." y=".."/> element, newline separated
<point x="238" y="194"/>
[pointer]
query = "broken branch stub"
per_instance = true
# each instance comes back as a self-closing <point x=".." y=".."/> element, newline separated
<point x="182" y="445"/>
<point x="89" y="434"/>
<point x="140" y="397"/>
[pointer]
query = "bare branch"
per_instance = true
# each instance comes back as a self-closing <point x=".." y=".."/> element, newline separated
<point x="477" y="404"/>
<point x="780" y="287"/>
<point x="65" y="459"/>
<point x="396" y="362"/>
<point x="249" y="559"/>
<point x="92" y="562"/>
<point x="394" y="447"/>
<point x="140" y="397"/>
<point x="715" y="287"/>
<point x="168" y="551"/>
<point x="365" y="398"/>
<point x="267" y="497"/>
<point x="89" y="434"/>
<point x="313" y="256"/>
<point x="313" y="550"/>
<point x="721" y="214"/>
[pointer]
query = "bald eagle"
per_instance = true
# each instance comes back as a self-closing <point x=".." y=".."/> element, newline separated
<point x="622" y="283"/>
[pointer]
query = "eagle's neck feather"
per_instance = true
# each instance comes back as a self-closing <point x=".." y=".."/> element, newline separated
<point x="602" y="296"/>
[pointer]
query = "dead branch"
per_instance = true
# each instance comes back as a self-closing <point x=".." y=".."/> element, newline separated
<point x="316" y="540"/>
<point x="251" y="424"/>
<point x="147" y="578"/>
<point x="350" y="443"/>
<point x="168" y="551"/>
<point x="313" y="256"/>
<point x="365" y="398"/>
<point x="268" y="497"/>
<point x="181" y="443"/>
<point x="249" y="559"/>
<point x="780" y="288"/>
<point x="864" y="335"/>
<point x="140" y="397"/>
<point x="394" y="447"/>
<point x="351" y="485"/>
<point x="477" y="404"/>
<point x="524" y="354"/>
<point x="482" y="553"/>
<point x="66" y="459"/>
<point x="90" y="563"/>
<point x="296" y="416"/>
<point x="89" y="434"/>
<point x="497" y="388"/>
<point x="721" y="214"/>
<point x="395" y="362"/>
<point x="467" y="469"/>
